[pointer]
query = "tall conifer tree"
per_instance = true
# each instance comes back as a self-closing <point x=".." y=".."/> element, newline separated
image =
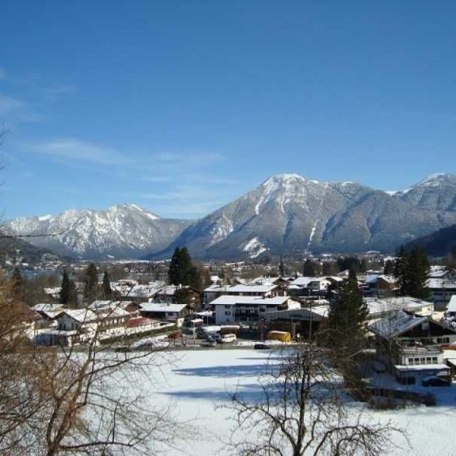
<point x="68" y="293"/>
<point x="90" y="283"/>
<point x="107" y="291"/>
<point x="411" y="270"/>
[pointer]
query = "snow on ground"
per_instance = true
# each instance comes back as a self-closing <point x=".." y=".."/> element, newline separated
<point x="197" y="381"/>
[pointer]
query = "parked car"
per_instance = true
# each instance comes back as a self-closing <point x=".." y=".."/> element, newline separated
<point x="228" y="338"/>
<point x="435" y="381"/>
<point x="209" y="342"/>
<point x="261" y="346"/>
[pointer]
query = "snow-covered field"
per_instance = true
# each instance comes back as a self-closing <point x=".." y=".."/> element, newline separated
<point x="198" y="381"/>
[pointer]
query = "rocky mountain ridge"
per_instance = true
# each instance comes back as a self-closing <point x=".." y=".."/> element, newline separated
<point x="284" y="215"/>
<point x="122" y="231"/>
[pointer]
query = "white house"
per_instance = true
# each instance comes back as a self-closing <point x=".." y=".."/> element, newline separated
<point x="441" y="289"/>
<point x="164" y="311"/>
<point x="247" y="309"/>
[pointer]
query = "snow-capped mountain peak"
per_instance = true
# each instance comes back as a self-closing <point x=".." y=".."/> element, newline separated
<point x="437" y="179"/>
<point x="123" y="231"/>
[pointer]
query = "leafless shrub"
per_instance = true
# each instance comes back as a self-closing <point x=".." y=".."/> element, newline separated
<point x="302" y="410"/>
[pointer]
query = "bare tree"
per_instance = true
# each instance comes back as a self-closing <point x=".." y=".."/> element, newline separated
<point x="303" y="410"/>
<point x="78" y="399"/>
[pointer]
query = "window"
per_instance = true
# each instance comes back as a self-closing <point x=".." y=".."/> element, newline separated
<point x="411" y="361"/>
<point x="227" y="312"/>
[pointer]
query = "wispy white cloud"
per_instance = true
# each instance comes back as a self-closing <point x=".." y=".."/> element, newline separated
<point x="10" y="105"/>
<point x="15" y="110"/>
<point x="75" y="149"/>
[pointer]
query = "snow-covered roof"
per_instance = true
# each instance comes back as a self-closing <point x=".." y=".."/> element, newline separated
<point x="217" y="288"/>
<point x="45" y="307"/>
<point x="251" y="288"/>
<point x="320" y="310"/>
<point x="434" y="283"/>
<point x="158" y="307"/>
<point x="264" y="281"/>
<point x="305" y="280"/>
<point x="452" y="304"/>
<point x="395" y="324"/>
<point x="373" y="278"/>
<point x="169" y="290"/>
<point x="377" y="306"/>
<point x="148" y="290"/>
<point x="100" y="305"/>
<point x="81" y="315"/>
<point x="436" y="271"/>
<point x="421" y="367"/>
<point x="254" y="300"/>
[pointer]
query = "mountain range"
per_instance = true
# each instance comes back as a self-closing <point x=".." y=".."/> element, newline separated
<point x="286" y="214"/>
<point x="122" y="231"/>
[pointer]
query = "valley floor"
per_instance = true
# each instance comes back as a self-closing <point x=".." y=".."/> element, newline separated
<point x="197" y="382"/>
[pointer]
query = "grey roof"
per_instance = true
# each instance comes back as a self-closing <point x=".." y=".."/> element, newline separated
<point x="395" y="324"/>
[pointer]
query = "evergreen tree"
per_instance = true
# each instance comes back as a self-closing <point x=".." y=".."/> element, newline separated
<point x="17" y="284"/>
<point x="346" y="332"/>
<point x="308" y="269"/>
<point x="107" y="291"/>
<point x="388" y="268"/>
<point x="349" y="263"/>
<point x="281" y="268"/>
<point x="182" y="296"/>
<point x="411" y="270"/>
<point x="181" y="269"/>
<point x="90" y="283"/>
<point x="400" y="270"/>
<point x="68" y="293"/>
<point x="329" y="268"/>
<point x="418" y="270"/>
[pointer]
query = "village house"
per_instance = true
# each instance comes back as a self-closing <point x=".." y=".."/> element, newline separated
<point x="128" y="306"/>
<point x="141" y="293"/>
<point x="235" y="309"/>
<point x="72" y="326"/>
<point x="379" y="285"/>
<point x="411" y="345"/>
<point x="164" y="311"/>
<point x="310" y="286"/>
<point x="441" y="290"/>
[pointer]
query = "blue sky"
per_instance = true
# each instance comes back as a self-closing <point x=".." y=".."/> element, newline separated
<point x="182" y="106"/>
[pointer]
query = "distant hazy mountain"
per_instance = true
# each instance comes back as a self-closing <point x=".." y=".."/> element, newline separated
<point x="439" y="243"/>
<point x="16" y="247"/>
<point x="122" y="231"/>
<point x="288" y="213"/>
